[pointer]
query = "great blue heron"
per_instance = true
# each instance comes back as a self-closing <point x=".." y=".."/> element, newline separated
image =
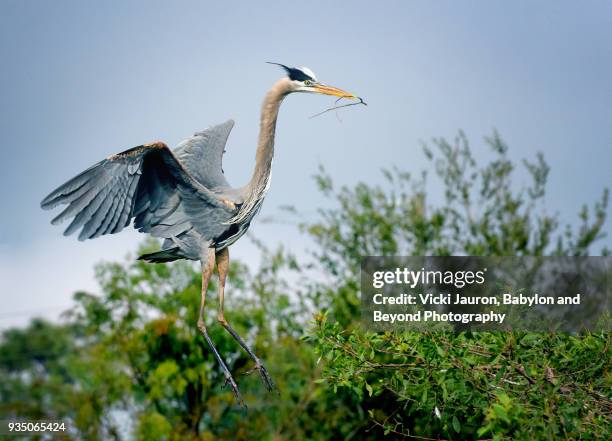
<point x="183" y="197"/>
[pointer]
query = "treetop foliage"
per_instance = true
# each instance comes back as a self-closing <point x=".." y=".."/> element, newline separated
<point x="129" y="363"/>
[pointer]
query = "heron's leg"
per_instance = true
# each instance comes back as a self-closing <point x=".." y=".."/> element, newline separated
<point x="208" y="265"/>
<point x="223" y="267"/>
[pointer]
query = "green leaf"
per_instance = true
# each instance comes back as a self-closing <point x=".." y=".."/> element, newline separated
<point x="456" y="424"/>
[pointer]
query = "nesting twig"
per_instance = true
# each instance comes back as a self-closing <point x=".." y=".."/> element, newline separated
<point x="361" y="101"/>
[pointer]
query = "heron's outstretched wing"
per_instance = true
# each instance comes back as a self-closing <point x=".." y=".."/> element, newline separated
<point x="202" y="155"/>
<point x="147" y="183"/>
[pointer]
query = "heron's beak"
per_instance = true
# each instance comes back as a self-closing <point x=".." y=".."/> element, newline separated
<point x="334" y="91"/>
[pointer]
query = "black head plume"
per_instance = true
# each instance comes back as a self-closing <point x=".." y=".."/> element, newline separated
<point x="294" y="73"/>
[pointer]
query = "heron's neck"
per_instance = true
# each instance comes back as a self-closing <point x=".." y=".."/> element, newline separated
<point x="267" y="129"/>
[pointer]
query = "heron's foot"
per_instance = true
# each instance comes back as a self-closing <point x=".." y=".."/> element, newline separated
<point x="228" y="376"/>
<point x="230" y="380"/>
<point x="265" y="376"/>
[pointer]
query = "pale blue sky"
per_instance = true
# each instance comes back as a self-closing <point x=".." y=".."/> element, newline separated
<point x="81" y="80"/>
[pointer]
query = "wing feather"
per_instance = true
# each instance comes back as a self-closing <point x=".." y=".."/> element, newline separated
<point x="88" y="212"/>
<point x="146" y="183"/>
<point x="97" y="217"/>
<point x="104" y="228"/>
<point x="124" y="214"/>
<point x="79" y="203"/>
<point x="202" y="155"/>
<point x="62" y="193"/>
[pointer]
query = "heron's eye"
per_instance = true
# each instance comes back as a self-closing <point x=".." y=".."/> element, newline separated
<point x="307" y="83"/>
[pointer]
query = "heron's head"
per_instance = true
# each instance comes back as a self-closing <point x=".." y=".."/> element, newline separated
<point x="302" y="79"/>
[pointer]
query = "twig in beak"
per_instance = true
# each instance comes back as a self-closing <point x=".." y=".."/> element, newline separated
<point x="361" y="101"/>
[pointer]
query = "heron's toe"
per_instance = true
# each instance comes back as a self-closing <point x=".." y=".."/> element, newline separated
<point x="265" y="377"/>
<point x="230" y="380"/>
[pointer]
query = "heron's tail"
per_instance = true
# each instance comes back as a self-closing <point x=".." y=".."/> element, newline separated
<point x="162" y="256"/>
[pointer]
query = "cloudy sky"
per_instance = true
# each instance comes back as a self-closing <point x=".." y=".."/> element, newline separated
<point x="82" y="80"/>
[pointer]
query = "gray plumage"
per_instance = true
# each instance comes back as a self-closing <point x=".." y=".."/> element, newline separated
<point x="202" y="155"/>
<point x="180" y="196"/>
<point x="183" y="197"/>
